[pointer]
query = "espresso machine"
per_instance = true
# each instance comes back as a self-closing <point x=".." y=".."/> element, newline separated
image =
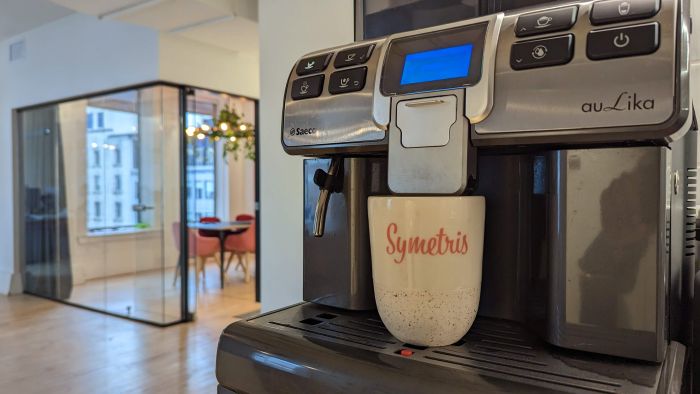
<point x="575" y="120"/>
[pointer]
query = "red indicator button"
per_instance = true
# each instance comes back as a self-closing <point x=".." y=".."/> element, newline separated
<point x="406" y="352"/>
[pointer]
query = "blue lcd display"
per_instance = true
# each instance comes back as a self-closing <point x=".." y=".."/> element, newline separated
<point x="437" y="64"/>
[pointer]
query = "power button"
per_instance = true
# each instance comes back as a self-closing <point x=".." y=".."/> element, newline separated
<point x="622" y="42"/>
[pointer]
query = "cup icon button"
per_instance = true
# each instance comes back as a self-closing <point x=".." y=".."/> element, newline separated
<point x="543" y="22"/>
<point x="624" y="8"/>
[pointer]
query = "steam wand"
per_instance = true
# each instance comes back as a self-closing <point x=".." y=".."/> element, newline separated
<point x="329" y="182"/>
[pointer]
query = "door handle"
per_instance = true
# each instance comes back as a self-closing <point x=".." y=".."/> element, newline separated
<point x="141" y="207"/>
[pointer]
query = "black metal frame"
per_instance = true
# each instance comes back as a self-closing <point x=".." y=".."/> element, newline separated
<point x="185" y="315"/>
<point x="488" y="6"/>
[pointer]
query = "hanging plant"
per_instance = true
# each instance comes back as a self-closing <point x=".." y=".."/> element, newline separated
<point x="238" y="136"/>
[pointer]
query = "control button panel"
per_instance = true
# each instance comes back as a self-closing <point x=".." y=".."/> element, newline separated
<point x="312" y="65"/>
<point x="546" y="22"/>
<point x="353" y="56"/>
<point x="309" y="87"/>
<point x="624" y="41"/>
<point x="542" y="53"/>
<point x="347" y="80"/>
<point x="613" y="11"/>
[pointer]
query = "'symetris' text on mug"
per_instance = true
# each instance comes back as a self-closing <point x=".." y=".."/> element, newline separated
<point x="439" y="244"/>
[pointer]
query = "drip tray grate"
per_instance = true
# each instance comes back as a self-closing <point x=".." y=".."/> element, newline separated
<point x="493" y="349"/>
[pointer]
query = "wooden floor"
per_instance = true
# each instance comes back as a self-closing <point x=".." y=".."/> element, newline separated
<point x="48" y="347"/>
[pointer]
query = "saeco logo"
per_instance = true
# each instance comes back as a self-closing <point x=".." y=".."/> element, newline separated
<point x="294" y="131"/>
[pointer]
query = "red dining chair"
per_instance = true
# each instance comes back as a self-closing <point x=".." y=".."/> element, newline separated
<point x="209" y="233"/>
<point x="244" y="216"/>
<point x="240" y="245"/>
<point x="199" y="248"/>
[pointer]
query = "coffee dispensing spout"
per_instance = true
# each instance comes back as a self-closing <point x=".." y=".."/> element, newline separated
<point x="329" y="182"/>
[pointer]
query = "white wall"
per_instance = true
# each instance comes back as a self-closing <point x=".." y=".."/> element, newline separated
<point x="192" y="62"/>
<point x="288" y="30"/>
<point x="72" y="56"/>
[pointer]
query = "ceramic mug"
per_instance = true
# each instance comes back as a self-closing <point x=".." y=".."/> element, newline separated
<point x="426" y="265"/>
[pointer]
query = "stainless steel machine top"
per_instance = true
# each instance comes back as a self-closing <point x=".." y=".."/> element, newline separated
<point x="557" y="74"/>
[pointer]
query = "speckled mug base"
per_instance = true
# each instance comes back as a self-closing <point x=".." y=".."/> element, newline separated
<point x="428" y="318"/>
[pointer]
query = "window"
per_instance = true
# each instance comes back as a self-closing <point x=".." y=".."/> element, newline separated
<point x="117" y="211"/>
<point x="96" y="183"/>
<point x="117" y="184"/>
<point x="135" y="153"/>
<point x="100" y="120"/>
<point x="90" y="121"/>
<point x="117" y="154"/>
<point x="96" y="157"/>
<point x="98" y="210"/>
<point x="209" y="190"/>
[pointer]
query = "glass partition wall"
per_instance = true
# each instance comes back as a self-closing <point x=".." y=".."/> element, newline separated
<point x="102" y="202"/>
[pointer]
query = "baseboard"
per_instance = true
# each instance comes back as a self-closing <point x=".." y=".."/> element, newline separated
<point x="10" y="283"/>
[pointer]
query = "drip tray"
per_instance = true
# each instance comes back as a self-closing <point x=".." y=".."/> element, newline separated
<point x="309" y="348"/>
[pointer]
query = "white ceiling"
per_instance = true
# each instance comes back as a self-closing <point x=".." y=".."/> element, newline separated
<point x="227" y="24"/>
<point x="19" y="16"/>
